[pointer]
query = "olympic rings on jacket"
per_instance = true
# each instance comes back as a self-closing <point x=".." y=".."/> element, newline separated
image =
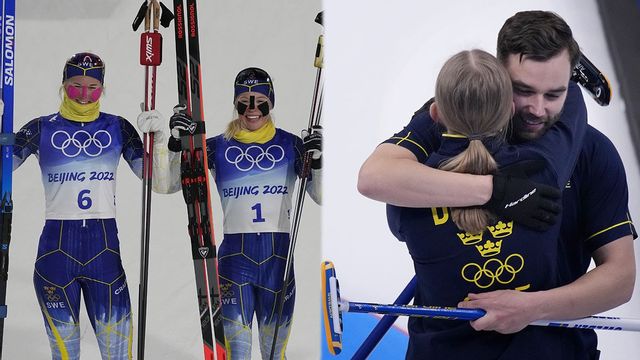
<point x="495" y="274"/>
<point x="245" y="160"/>
<point x="81" y="141"/>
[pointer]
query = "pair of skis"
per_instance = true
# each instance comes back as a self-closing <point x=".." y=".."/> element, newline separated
<point x="7" y="140"/>
<point x="195" y="180"/>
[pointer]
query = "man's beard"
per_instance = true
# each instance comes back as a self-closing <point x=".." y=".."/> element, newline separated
<point x="518" y="127"/>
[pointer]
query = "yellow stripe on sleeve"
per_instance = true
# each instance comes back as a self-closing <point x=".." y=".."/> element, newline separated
<point x="609" y="228"/>
<point x="406" y="138"/>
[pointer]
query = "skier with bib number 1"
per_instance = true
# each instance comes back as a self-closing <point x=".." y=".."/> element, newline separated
<point x="255" y="166"/>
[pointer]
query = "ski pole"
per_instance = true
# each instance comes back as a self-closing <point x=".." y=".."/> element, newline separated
<point x="334" y="306"/>
<point x="314" y="120"/>
<point x="150" y="58"/>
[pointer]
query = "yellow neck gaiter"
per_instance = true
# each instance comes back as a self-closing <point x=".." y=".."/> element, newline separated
<point x="260" y="136"/>
<point x="72" y="110"/>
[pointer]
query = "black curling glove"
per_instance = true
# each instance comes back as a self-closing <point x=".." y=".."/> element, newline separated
<point x="526" y="202"/>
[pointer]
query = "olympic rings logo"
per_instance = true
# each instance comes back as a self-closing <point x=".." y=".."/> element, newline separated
<point x="81" y="141"/>
<point x="493" y="270"/>
<point x="226" y="291"/>
<point x="264" y="159"/>
<point x="51" y="293"/>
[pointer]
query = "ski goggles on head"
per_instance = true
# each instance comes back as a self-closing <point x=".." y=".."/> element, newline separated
<point x="83" y="91"/>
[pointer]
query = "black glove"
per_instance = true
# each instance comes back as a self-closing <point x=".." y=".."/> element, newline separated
<point x="312" y="143"/>
<point x="522" y="200"/>
<point x="179" y="122"/>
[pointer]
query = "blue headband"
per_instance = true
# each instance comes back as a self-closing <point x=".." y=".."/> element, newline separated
<point x="255" y="80"/>
<point x="84" y="64"/>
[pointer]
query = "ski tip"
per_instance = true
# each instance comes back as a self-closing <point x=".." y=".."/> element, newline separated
<point x="330" y="312"/>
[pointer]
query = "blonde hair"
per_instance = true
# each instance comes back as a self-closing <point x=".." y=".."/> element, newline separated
<point x="474" y="98"/>
<point x="233" y="128"/>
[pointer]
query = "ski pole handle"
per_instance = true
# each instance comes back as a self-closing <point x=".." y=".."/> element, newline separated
<point x="316" y="103"/>
<point x="151" y="42"/>
<point x="156" y="15"/>
<point x="319" y="61"/>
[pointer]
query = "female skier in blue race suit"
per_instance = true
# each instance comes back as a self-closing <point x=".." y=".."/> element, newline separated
<point x="78" y="149"/>
<point x="462" y="251"/>
<point x="255" y="166"/>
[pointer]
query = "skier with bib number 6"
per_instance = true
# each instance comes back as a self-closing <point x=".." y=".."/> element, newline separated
<point x="78" y="149"/>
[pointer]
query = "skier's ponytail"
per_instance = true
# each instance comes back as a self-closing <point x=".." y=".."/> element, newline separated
<point x="473" y="99"/>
